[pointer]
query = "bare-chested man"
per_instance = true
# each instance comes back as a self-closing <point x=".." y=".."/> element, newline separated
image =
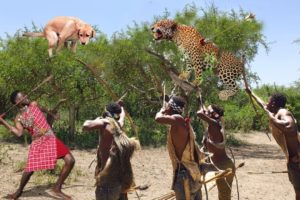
<point x="214" y="142"/>
<point x="284" y="130"/>
<point x="181" y="145"/>
<point x="45" y="148"/>
<point x="113" y="173"/>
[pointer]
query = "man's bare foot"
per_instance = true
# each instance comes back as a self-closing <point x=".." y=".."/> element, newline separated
<point x="13" y="196"/>
<point x="60" y="194"/>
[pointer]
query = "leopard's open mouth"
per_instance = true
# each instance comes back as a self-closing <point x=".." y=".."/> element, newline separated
<point x="157" y="34"/>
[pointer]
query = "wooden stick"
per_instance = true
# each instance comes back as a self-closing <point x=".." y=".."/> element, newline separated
<point x="270" y="172"/>
<point x="205" y="188"/>
<point x="167" y="196"/>
<point x="97" y="74"/>
<point x="164" y="94"/>
<point x="173" y="73"/>
<point x="251" y="100"/>
<point x="138" y="196"/>
<point x="92" y="163"/>
<point x="34" y="89"/>
<point x="218" y="176"/>
<point x="235" y="176"/>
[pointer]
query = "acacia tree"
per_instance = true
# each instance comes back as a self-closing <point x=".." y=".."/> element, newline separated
<point x="123" y="63"/>
<point x="127" y="65"/>
<point x="24" y="64"/>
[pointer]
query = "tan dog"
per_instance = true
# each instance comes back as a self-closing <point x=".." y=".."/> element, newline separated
<point x="60" y="30"/>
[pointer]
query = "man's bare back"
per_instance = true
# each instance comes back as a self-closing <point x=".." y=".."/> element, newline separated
<point x="105" y="142"/>
<point x="290" y="134"/>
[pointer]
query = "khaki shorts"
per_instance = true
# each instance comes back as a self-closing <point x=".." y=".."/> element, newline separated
<point x="294" y="174"/>
<point x="225" y="184"/>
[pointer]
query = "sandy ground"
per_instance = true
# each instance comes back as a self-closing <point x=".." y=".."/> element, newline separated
<point x="153" y="167"/>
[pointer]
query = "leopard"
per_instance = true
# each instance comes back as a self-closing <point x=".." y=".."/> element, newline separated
<point x="195" y="49"/>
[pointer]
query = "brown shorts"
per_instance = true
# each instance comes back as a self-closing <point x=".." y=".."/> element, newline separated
<point x="294" y="174"/>
<point x="225" y="184"/>
<point x="109" y="193"/>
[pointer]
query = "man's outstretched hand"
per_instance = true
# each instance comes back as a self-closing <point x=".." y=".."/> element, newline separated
<point x="121" y="103"/>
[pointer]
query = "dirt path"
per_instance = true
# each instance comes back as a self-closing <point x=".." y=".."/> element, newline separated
<point x="152" y="166"/>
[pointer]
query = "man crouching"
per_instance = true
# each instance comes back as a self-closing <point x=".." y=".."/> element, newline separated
<point x="113" y="173"/>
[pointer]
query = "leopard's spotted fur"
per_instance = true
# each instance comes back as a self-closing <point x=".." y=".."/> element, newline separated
<point x="191" y="42"/>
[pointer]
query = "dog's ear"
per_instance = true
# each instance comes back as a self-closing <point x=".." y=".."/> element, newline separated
<point x="93" y="34"/>
<point x="78" y="26"/>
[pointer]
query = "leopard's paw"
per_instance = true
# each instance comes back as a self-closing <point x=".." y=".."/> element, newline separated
<point x="184" y="75"/>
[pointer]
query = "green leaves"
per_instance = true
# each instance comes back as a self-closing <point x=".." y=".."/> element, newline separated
<point x="124" y="65"/>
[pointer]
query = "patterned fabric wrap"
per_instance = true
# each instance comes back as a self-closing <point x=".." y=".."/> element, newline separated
<point x="42" y="152"/>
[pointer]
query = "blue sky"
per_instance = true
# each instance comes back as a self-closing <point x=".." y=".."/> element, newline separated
<point x="280" y="18"/>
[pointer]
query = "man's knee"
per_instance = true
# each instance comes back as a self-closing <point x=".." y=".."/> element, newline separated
<point x="70" y="160"/>
<point x="28" y="174"/>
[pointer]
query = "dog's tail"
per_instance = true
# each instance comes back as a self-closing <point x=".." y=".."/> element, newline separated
<point x="34" y="34"/>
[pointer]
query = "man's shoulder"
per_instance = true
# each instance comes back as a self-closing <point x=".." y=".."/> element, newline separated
<point x="284" y="111"/>
<point x="178" y="117"/>
<point x="34" y="103"/>
<point x="103" y="120"/>
<point x="18" y="115"/>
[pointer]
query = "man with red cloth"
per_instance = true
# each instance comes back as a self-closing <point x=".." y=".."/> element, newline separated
<point x="45" y="148"/>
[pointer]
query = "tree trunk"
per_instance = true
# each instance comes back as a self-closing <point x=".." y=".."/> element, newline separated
<point x="72" y="120"/>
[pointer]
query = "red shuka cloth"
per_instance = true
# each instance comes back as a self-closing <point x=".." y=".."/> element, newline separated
<point x="45" y="150"/>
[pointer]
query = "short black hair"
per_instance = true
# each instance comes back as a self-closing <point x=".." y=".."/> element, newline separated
<point x="113" y="108"/>
<point x="279" y="99"/>
<point x="13" y="96"/>
<point x="218" y="109"/>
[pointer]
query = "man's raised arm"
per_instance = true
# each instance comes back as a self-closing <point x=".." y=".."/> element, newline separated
<point x="168" y="119"/>
<point x="285" y="123"/>
<point x="97" y="123"/>
<point x="258" y="100"/>
<point x="18" y="130"/>
<point x="201" y="113"/>
<point x="122" y="117"/>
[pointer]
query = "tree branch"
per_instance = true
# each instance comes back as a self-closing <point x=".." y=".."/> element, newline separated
<point x="97" y="74"/>
<point x="144" y="93"/>
<point x="173" y="73"/>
